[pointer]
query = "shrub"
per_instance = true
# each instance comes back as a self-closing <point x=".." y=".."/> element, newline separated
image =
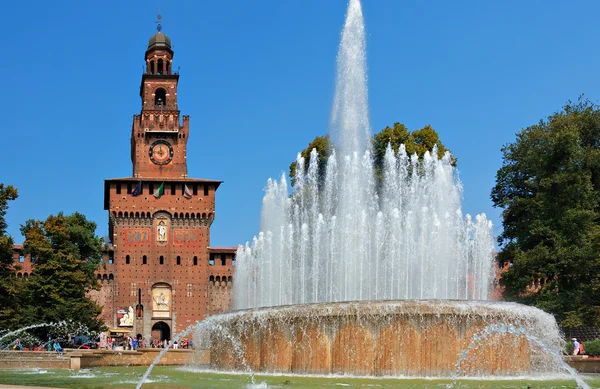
<point x="592" y="348"/>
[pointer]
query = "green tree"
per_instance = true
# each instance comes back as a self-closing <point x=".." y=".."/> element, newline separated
<point x="549" y="188"/>
<point x="418" y="141"/>
<point x="9" y="287"/>
<point x="67" y="252"/>
<point x="323" y="146"/>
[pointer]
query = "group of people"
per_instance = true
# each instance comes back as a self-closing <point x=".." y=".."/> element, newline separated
<point x="133" y="343"/>
<point x="50" y="346"/>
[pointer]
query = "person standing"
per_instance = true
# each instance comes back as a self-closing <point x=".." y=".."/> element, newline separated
<point x="575" y="346"/>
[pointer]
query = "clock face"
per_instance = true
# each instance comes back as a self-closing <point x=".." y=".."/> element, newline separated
<point x="161" y="152"/>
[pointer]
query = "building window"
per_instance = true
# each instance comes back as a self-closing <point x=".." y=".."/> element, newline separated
<point x="195" y="261"/>
<point x="21" y="258"/>
<point x="223" y="260"/>
<point x="127" y="259"/>
<point x="32" y="259"/>
<point x="111" y="257"/>
<point x="173" y="189"/>
<point x="129" y="188"/>
<point x="144" y="260"/>
<point x="211" y="260"/>
<point x="178" y="260"/>
<point x="118" y="188"/>
<point x="195" y="189"/>
<point x="151" y="188"/>
<point x="205" y="190"/>
<point x="233" y="261"/>
<point x="160" y="97"/>
<point x="162" y="260"/>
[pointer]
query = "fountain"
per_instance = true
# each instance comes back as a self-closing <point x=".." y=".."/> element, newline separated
<point x="359" y="275"/>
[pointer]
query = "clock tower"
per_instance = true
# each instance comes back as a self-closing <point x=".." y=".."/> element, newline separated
<point x="158" y="138"/>
<point x="162" y="275"/>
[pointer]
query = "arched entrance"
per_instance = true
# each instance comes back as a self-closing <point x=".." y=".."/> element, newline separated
<point x="161" y="331"/>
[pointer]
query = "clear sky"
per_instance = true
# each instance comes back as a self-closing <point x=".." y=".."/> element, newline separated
<point x="257" y="79"/>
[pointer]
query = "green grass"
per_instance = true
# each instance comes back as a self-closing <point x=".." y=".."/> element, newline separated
<point x="173" y="377"/>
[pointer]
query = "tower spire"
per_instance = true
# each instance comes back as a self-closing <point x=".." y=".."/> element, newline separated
<point x="158" y="22"/>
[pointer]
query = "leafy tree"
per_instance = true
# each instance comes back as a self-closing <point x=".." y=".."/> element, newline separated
<point x="323" y="146"/>
<point x="9" y="313"/>
<point x="67" y="252"/>
<point x="549" y="188"/>
<point x="418" y="141"/>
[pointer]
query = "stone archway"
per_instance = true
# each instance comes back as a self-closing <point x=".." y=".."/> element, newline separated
<point x="161" y="331"/>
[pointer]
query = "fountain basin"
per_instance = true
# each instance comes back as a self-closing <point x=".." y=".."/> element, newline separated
<point x="424" y="338"/>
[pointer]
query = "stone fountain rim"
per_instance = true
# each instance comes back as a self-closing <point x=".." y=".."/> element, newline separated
<point x="383" y="308"/>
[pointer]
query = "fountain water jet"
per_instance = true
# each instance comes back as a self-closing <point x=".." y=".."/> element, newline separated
<point x="354" y="236"/>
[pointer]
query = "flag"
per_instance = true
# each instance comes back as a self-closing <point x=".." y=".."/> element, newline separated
<point x="187" y="193"/>
<point x="138" y="189"/>
<point x="160" y="191"/>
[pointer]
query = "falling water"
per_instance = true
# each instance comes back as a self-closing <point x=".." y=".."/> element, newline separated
<point x="350" y="237"/>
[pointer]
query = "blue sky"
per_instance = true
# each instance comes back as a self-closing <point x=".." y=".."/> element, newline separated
<point x="257" y="79"/>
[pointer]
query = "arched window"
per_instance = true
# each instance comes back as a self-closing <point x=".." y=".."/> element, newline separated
<point x="160" y="69"/>
<point x="160" y="97"/>
<point x="162" y="260"/>
<point x="111" y="277"/>
<point x="144" y="260"/>
<point x="178" y="260"/>
<point x="127" y="259"/>
<point x="195" y="261"/>
<point x="212" y="279"/>
<point x="223" y="260"/>
<point x="151" y="67"/>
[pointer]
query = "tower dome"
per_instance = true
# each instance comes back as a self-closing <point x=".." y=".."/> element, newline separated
<point x="159" y="40"/>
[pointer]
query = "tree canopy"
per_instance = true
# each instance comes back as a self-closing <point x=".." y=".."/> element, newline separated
<point x="9" y="315"/>
<point x="66" y="252"/>
<point x="549" y="189"/>
<point x="416" y="142"/>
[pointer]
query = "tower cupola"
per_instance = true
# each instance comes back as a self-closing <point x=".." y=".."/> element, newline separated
<point x="159" y="55"/>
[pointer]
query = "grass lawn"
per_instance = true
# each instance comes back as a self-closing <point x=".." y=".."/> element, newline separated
<point x="176" y="377"/>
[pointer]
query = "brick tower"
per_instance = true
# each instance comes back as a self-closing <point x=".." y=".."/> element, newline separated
<point x="163" y="274"/>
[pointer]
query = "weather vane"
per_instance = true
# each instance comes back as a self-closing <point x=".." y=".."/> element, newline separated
<point x="158" y="25"/>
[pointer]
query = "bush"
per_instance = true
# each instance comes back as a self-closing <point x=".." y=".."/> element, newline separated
<point x="592" y="348"/>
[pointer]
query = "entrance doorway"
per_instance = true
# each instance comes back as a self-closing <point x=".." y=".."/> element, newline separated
<point x="161" y="331"/>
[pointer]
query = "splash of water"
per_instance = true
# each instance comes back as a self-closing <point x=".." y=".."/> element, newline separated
<point x="550" y="351"/>
<point x="359" y="235"/>
<point x="208" y="327"/>
<point x="57" y="324"/>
